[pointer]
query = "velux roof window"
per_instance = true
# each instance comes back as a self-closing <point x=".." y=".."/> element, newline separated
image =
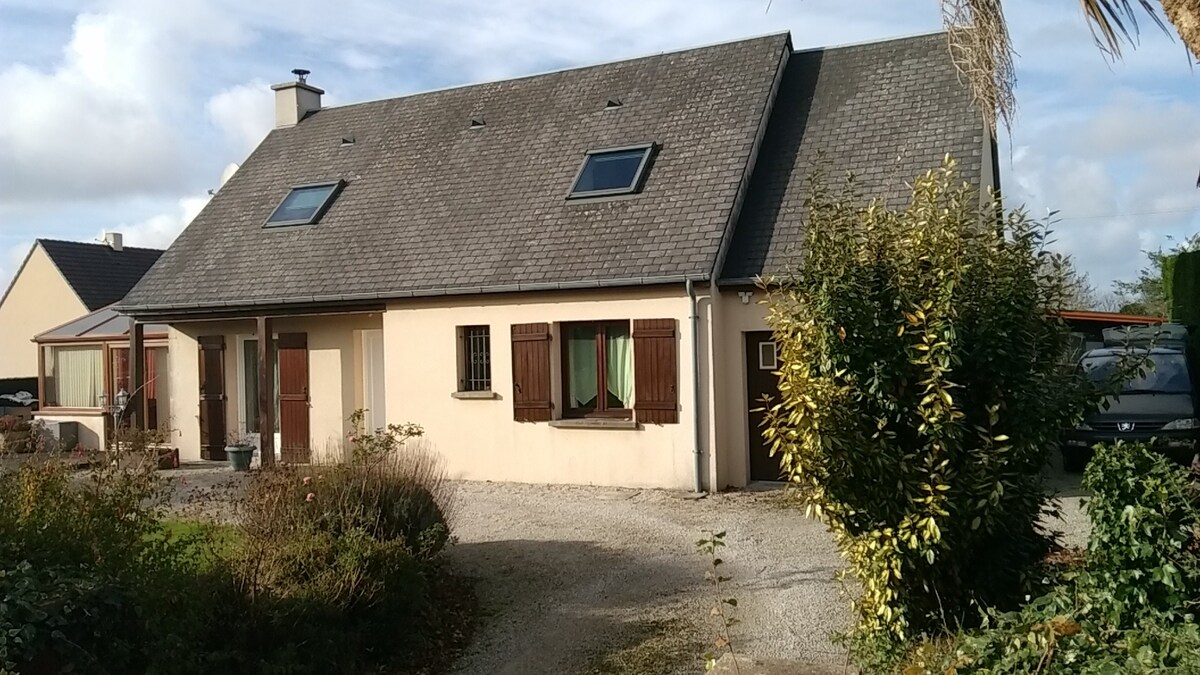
<point x="612" y="172"/>
<point x="304" y="204"/>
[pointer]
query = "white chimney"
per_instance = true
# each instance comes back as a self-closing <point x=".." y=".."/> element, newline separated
<point x="114" y="240"/>
<point x="295" y="100"/>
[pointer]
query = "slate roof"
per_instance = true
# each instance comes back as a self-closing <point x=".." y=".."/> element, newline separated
<point x="99" y="275"/>
<point x="432" y="205"/>
<point x="887" y="111"/>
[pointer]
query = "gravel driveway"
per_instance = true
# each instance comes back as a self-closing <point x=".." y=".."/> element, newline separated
<point x="565" y="572"/>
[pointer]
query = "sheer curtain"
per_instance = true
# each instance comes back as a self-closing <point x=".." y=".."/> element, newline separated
<point x="77" y="376"/>
<point x="581" y="366"/>
<point x="618" y="371"/>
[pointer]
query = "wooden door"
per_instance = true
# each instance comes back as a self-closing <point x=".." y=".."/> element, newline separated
<point x="212" y="397"/>
<point x="293" y="398"/>
<point x="761" y="381"/>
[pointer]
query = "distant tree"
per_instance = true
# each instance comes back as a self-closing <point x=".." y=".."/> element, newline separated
<point x="1148" y="292"/>
<point x="1076" y="287"/>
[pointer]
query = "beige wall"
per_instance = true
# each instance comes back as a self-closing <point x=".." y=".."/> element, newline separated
<point x="732" y="404"/>
<point x="38" y="300"/>
<point x="334" y="378"/>
<point x="479" y="438"/>
<point x="91" y="426"/>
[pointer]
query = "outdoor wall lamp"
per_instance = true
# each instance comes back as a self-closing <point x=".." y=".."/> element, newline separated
<point x="118" y="405"/>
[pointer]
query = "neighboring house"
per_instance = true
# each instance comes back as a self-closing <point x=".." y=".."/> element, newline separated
<point x="59" y="281"/>
<point x="85" y="365"/>
<point x="554" y="275"/>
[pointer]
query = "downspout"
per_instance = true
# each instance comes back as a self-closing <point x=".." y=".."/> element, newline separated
<point x="694" y="318"/>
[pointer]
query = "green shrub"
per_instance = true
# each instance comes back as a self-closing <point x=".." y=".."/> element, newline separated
<point x="1130" y="609"/>
<point x="87" y="574"/>
<point x="1142" y="553"/>
<point x="338" y="561"/>
<point x="921" y="390"/>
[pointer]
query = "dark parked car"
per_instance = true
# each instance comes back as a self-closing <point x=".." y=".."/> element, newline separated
<point x="1157" y="406"/>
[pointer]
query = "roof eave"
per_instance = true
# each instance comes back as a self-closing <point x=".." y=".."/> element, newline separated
<point x="149" y="310"/>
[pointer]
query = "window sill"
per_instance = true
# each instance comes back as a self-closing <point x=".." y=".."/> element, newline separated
<point x="77" y="412"/>
<point x="473" y="395"/>
<point x="594" y="423"/>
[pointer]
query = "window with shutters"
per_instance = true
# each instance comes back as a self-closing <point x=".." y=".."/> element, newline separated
<point x="474" y="358"/>
<point x="609" y="369"/>
<point x="597" y="368"/>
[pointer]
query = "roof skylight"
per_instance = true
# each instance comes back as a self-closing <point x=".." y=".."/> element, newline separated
<point x="304" y="204"/>
<point x="612" y="172"/>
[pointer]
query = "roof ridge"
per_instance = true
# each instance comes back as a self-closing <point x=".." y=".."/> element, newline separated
<point x="871" y="43"/>
<point x="569" y="69"/>
<point x="95" y="243"/>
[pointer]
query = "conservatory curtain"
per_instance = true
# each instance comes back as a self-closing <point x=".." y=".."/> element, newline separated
<point x="76" y="376"/>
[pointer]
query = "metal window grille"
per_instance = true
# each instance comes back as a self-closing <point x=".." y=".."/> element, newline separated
<point x="477" y="358"/>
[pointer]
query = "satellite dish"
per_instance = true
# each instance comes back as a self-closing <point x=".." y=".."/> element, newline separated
<point x="228" y="173"/>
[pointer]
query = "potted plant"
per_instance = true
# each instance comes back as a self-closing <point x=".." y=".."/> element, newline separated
<point x="239" y="449"/>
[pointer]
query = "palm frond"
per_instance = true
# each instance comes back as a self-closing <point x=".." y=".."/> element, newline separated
<point x="983" y="53"/>
<point x="1115" y="21"/>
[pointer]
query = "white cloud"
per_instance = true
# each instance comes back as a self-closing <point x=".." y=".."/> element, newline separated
<point x="244" y="113"/>
<point x="160" y="230"/>
<point x="1121" y="176"/>
<point x="105" y="119"/>
<point x="10" y="261"/>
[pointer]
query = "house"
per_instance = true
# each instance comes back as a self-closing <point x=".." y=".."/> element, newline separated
<point x="59" y="281"/>
<point x="554" y="274"/>
<point x="84" y="372"/>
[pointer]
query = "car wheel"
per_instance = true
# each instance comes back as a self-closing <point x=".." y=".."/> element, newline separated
<point x="1075" y="459"/>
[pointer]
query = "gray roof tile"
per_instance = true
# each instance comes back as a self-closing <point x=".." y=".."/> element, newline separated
<point x="886" y="111"/>
<point x="432" y="204"/>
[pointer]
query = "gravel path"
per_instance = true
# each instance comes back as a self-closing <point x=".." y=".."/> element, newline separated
<point x="565" y="571"/>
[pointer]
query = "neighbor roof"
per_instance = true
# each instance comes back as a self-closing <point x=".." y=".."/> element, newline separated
<point x="885" y="111"/>
<point x="103" y="324"/>
<point x="433" y="204"/>
<point x="99" y="275"/>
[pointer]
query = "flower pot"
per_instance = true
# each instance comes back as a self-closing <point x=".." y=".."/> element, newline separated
<point x="239" y="456"/>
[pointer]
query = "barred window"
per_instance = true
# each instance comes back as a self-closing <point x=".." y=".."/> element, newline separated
<point x="475" y="372"/>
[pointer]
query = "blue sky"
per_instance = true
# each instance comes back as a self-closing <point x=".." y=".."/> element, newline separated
<point x="121" y="114"/>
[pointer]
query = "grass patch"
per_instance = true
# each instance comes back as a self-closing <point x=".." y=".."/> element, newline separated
<point x="207" y="544"/>
<point x="652" y="648"/>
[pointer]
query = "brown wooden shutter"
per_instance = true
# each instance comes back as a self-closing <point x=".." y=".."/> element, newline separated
<point x="655" y="371"/>
<point x="531" y="372"/>
<point x="212" y="397"/>
<point x="293" y="398"/>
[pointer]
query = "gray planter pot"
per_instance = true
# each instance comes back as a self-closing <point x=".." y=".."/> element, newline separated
<point x="239" y="456"/>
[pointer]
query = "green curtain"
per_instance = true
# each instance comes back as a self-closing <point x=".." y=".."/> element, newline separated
<point x="581" y="366"/>
<point x="618" y="371"/>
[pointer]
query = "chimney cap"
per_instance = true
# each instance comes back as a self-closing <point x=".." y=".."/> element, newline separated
<point x="301" y="74"/>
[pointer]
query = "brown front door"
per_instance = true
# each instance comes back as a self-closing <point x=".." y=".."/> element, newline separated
<point x="293" y="398"/>
<point x="212" y="397"/>
<point x="761" y="381"/>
